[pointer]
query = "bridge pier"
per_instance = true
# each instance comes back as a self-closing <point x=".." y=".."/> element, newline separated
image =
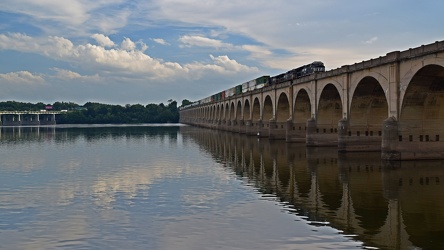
<point x="390" y="135"/>
<point x="411" y="145"/>
<point x="249" y="128"/>
<point x="296" y="132"/>
<point x="262" y="128"/>
<point x="11" y="120"/>
<point x="317" y="136"/>
<point x="30" y="119"/>
<point x="357" y="139"/>
<point x="233" y="126"/>
<point x="215" y="124"/>
<point x="47" y="119"/>
<point x="277" y="130"/>
<point x="241" y="127"/>
<point x="224" y="125"/>
<point x="209" y="123"/>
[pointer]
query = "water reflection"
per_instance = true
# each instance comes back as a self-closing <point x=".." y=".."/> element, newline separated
<point x="389" y="206"/>
<point x="73" y="187"/>
<point x="131" y="187"/>
<point x="67" y="133"/>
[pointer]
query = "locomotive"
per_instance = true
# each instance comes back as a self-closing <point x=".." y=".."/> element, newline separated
<point x="306" y="70"/>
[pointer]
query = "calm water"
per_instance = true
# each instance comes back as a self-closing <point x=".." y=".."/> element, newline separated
<point x="145" y="187"/>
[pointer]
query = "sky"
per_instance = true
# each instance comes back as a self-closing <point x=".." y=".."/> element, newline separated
<point x="151" y="51"/>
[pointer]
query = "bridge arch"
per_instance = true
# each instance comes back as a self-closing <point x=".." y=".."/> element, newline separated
<point x="368" y="106"/>
<point x="246" y="110"/>
<point x="208" y="110"/>
<point x="381" y="77"/>
<point x="227" y="112"/>
<point x="256" y="110"/>
<point x="301" y="107"/>
<point x="283" y="111"/>
<point x="215" y="110"/>
<point x="239" y="116"/>
<point x="217" y="113"/>
<point x="408" y="73"/>
<point x="422" y="110"/>
<point x="268" y="110"/>
<point x="329" y="110"/>
<point x="232" y="111"/>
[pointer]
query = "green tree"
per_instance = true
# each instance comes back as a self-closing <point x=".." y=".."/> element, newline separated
<point x="93" y="112"/>
<point x="185" y="102"/>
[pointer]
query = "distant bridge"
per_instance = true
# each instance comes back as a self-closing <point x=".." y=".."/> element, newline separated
<point x="390" y="104"/>
<point x="21" y="118"/>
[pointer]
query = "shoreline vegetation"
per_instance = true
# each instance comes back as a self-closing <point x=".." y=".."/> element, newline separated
<point x="99" y="113"/>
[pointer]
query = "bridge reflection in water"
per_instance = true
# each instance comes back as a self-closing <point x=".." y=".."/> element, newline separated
<point x="396" y="206"/>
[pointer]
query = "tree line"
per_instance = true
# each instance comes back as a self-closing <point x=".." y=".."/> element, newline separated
<point x="99" y="113"/>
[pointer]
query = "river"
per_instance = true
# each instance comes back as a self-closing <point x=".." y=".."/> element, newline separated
<point x="181" y="187"/>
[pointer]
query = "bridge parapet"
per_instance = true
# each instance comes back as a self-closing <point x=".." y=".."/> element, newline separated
<point x="422" y="50"/>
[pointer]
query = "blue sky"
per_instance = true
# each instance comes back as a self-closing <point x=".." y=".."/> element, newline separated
<point x="150" y="51"/>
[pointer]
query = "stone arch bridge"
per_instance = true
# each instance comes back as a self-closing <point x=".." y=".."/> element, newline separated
<point x="390" y="104"/>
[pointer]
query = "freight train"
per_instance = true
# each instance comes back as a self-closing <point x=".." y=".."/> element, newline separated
<point x="263" y="81"/>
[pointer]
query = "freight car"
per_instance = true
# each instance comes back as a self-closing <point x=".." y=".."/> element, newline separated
<point x="263" y="81"/>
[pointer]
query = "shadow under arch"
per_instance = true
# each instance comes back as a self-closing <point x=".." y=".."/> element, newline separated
<point x="267" y="113"/>
<point x="283" y="108"/>
<point x="239" y="111"/>
<point x="369" y="107"/>
<point x="422" y="110"/>
<point x="246" y="110"/>
<point x="329" y="108"/>
<point x="256" y="111"/>
<point x="302" y="108"/>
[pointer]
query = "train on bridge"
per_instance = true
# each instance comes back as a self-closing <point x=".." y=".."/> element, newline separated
<point x="263" y="81"/>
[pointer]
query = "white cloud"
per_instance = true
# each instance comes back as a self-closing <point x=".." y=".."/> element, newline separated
<point x="70" y="17"/>
<point x="103" y="40"/>
<point x="160" y="41"/>
<point x="72" y="12"/>
<point x="371" y="40"/>
<point x="201" y="41"/>
<point x="64" y="74"/>
<point x="22" y="77"/>
<point x="258" y="51"/>
<point x="18" y="41"/>
<point x="143" y="46"/>
<point x="294" y="28"/>
<point x="274" y="34"/>
<point x="128" y="45"/>
<point x="126" y="61"/>
<point x="221" y="65"/>
<point x="231" y="65"/>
